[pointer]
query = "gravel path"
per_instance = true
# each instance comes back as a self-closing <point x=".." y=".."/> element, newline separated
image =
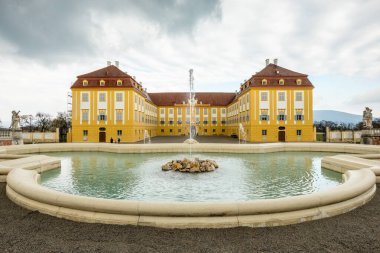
<point x="25" y="231"/>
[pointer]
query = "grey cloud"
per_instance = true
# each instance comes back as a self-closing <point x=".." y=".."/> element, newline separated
<point x="56" y="29"/>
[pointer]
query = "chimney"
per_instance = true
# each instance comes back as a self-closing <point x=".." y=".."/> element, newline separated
<point x="266" y="62"/>
<point x="108" y="63"/>
<point x="145" y="90"/>
<point x="117" y="63"/>
<point x="275" y="61"/>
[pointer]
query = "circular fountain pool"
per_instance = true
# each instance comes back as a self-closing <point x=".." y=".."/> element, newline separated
<point x="240" y="176"/>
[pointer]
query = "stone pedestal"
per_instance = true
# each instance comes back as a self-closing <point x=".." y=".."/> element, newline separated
<point x="17" y="137"/>
<point x="370" y="137"/>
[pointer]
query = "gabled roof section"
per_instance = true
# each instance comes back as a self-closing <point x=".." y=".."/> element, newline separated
<point x="272" y="70"/>
<point x="110" y="74"/>
<point x="211" y="98"/>
<point x="107" y="72"/>
<point x="273" y="73"/>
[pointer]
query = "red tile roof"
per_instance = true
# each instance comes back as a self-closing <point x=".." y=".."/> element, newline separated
<point x="212" y="98"/>
<point x="107" y="72"/>
<point x="273" y="73"/>
<point x="110" y="74"/>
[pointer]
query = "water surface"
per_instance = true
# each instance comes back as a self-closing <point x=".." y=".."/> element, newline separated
<point x="239" y="177"/>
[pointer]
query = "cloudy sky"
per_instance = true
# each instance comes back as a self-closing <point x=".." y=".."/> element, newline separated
<point x="45" y="44"/>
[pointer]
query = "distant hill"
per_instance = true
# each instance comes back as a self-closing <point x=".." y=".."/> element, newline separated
<point x="336" y="116"/>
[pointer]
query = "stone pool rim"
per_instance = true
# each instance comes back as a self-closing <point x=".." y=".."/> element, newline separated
<point x="359" y="187"/>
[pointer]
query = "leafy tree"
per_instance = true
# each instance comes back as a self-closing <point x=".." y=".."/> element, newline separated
<point x="63" y="122"/>
<point x="27" y="122"/>
<point x="43" y="121"/>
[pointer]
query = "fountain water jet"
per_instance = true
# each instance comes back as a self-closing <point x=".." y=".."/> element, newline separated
<point x="146" y="137"/>
<point x="242" y="134"/>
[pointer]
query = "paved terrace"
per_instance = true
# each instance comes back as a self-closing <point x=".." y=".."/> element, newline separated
<point x="26" y="231"/>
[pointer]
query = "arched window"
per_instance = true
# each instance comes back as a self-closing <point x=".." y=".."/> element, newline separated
<point x="119" y="82"/>
<point x="85" y="82"/>
<point x="281" y="81"/>
<point x="102" y="83"/>
<point x="264" y="82"/>
<point x="299" y="82"/>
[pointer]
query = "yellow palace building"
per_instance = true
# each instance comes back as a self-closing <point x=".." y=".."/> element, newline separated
<point x="275" y="104"/>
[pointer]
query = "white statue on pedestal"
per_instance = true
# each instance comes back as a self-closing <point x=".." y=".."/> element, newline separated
<point x="367" y="118"/>
<point x="16" y="130"/>
<point x="15" y="121"/>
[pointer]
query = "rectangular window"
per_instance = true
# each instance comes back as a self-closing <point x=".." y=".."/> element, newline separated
<point x="162" y="130"/>
<point x="223" y="130"/>
<point x="223" y="110"/>
<point x="299" y="96"/>
<point x="84" y="97"/>
<point x="171" y="110"/>
<point x="205" y="111"/>
<point x="119" y="115"/>
<point x="179" y="111"/>
<point x="162" y="110"/>
<point x="179" y="130"/>
<point x="102" y="115"/>
<point x="197" y="110"/>
<point x="102" y="97"/>
<point x="171" y="130"/>
<point x="281" y="96"/>
<point x="85" y="135"/>
<point x="264" y="115"/>
<point x="119" y="97"/>
<point x="299" y="116"/>
<point x="264" y="96"/>
<point x="299" y="132"/>
<point x="119" y="132"/>
<point x="85" y="115"/>
<point x="263" y="132"/>
<point x="188" y="111"/>
<point x="281" y="115"/>
<point x="214" y="130"/>
<point x="205" y="130"/>
<point x="213" y="110"/>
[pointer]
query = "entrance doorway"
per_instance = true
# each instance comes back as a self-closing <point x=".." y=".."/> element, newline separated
<point x="102" y="136"/>
<point x="281" y="136"/>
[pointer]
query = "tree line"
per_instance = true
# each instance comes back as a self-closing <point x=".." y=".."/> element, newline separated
<point x="44" y="122"/>
<point x="321" y="125"/>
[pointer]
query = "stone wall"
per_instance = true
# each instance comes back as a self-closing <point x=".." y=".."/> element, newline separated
<point x="41" y="137"/>
<point x="5" y="137"/>
<point x="349" y="136"/>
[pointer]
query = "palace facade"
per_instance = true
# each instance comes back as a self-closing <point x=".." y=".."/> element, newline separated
<point x="275" y="104"/>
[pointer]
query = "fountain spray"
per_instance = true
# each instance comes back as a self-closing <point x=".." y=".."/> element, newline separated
<point x="191" y="105"/>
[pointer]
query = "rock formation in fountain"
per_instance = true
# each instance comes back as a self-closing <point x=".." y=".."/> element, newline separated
<point x="192" y="166"/>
